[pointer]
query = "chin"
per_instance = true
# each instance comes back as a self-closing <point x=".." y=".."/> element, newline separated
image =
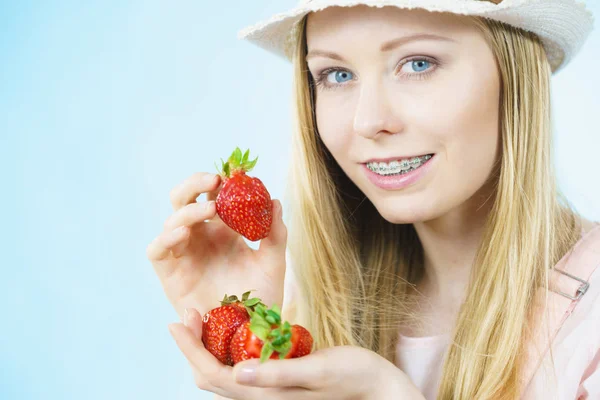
<point x="396" y="211"/>
<point x="404" y="215"/>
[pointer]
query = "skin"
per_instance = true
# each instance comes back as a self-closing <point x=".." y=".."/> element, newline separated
<point x="385" y="110"/>
<point x="378" y="102"/>
<point x="382" y="108"/>
<point x="341" y="372"/>
<point x="390" y="105"/>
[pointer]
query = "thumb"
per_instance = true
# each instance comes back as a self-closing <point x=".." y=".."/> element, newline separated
<point x="277" y="239"/>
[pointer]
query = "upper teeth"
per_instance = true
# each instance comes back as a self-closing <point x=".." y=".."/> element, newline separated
<point x="395" y="167"/>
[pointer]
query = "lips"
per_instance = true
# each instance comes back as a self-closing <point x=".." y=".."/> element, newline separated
<point x="397" y="181"/>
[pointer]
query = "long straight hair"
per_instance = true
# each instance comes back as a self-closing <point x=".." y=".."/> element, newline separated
<point x="355" y="269"/>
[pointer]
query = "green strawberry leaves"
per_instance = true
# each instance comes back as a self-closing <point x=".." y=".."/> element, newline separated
<point x="252" y="302"/>
<point x="247" y="302"/>
<point x="237" y="162"/>
<point x="272" y="317"/>
<point x="247" y="166"/>
<point x="236" y="156"/>
<point x="266" y="352"/>
<point x="266" y="324"/>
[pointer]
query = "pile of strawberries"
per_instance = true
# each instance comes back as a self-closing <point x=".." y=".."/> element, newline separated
<point x="239" y="330"/>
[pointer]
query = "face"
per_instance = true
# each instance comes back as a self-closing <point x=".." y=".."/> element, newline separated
<point x="407" y="102"/>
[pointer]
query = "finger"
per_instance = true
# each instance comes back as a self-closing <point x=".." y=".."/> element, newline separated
<point x="188" y="191"/>
<point x="180" y="248"/>
<point x="306" y="372"/>
<point x="193" y="320"/>
<point x="212" y="195"/>
<point x="191" y="214"/>
<point x="277" y="239"/>
<point x="160" y="248"/>
<point x="209" y="373"/>
<point x="205" y="364"/>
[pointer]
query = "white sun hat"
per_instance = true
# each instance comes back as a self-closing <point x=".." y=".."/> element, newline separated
<point x="562" y="25"/>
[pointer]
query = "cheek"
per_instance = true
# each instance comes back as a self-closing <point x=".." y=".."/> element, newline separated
<point x="462" y="124"/>
<point x="471" y="140"/>
<point x="461" y="111"/>
<point x="474" y="120"/>
<point x="334" y="122"/>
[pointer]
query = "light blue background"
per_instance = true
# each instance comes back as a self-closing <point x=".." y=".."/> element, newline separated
<point x="104" y="107"/>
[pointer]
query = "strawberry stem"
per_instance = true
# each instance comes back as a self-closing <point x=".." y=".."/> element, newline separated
<point x="267" y="325"/>
<point x="237" y="163"/>
<point x="266" y="352"/>
<point x="247" y="302"/>
<point x="273" y="317"/>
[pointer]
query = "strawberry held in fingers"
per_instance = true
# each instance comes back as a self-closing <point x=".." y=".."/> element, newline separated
<point x="243" y="203"/>
<point x="220" y="324"/>
<point x="266" y="337"/>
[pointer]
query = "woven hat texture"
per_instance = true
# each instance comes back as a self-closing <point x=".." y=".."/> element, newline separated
<point x="562" y="25"/>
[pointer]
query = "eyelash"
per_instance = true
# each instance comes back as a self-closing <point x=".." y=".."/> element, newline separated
<point x="321" y="79"/>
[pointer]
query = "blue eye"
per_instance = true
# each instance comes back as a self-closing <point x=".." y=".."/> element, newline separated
<point x="420" y="65"/>
<point x="339" y="76"/>
<point x="416" y="66"/>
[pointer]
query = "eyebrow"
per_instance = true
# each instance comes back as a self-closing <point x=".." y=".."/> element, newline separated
<point x="385" y="47"/>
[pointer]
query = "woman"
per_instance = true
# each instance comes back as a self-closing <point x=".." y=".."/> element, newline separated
<point x="425" y="223"/>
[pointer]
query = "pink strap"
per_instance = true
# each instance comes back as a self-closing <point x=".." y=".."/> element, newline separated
<point x="569" y="281"/>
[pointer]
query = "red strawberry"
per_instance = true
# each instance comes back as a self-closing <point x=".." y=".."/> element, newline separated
<point x="265" y="337"/>
<point x="219" y="324"/>
<point x="244" y="203"/>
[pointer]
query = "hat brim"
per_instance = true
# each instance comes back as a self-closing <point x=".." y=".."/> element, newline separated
<point x="562" y="25"/>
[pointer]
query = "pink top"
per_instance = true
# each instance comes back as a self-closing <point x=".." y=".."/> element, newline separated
<point x="575" y="336"/>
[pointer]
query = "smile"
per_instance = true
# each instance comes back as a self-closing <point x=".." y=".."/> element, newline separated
<point x="398" y="167"/>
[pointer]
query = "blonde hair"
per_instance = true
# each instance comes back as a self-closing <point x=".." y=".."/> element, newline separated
<point x="355" y="269"/>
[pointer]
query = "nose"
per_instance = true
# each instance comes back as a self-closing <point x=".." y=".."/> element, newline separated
<point x="375" y="113"/>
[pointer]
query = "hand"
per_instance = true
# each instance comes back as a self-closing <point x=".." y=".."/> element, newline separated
<point x="343" y="372"/>
<point x="199" y="259"/>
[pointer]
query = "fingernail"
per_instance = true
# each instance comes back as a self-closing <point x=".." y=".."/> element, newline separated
<point x="180" y="231"/>
<point x="247" y="374"/>
<point x="277" y="208"/>
<point x="186" y="317"/>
